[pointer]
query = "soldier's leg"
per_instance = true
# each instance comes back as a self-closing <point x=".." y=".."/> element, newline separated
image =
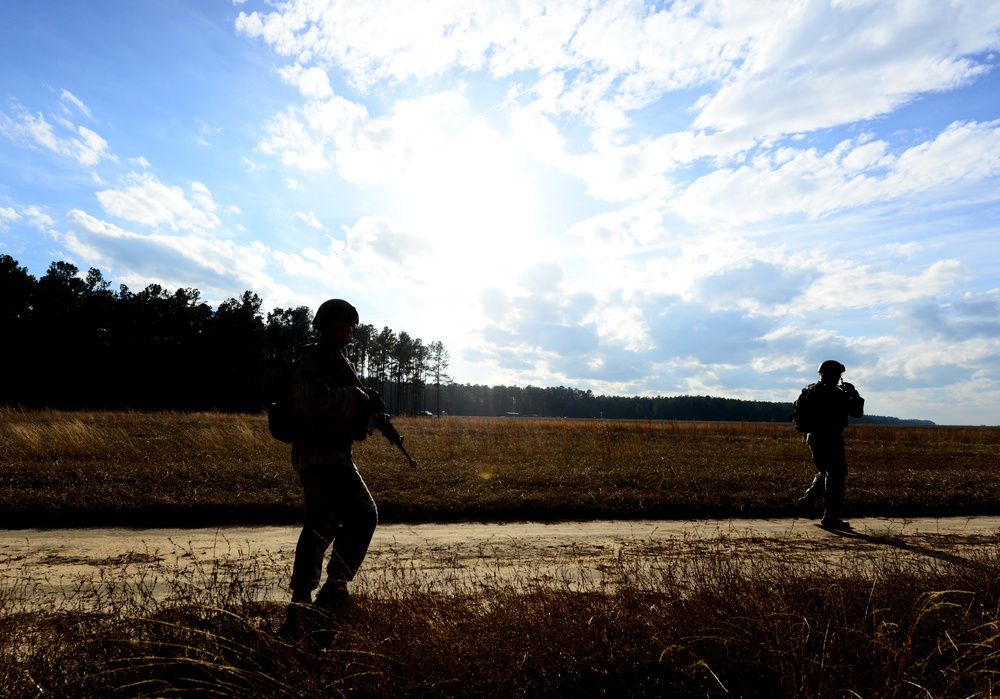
<point x="817" y="489"/>
<point x="358" y="517"/>
<point x="314" y="540"/>
<point x="317" y="532"/>
<point x="835" y="463"/>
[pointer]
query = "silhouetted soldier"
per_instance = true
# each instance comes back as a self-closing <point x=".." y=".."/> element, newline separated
<point x="826" y="406"/>
<point x="332" y="412"/>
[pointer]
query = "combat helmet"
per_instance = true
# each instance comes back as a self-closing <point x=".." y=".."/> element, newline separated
<point x="831" y="366"/>
<point x="335" y="310"/>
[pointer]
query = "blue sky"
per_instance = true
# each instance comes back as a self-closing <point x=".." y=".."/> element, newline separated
<point x="635" y="198"/>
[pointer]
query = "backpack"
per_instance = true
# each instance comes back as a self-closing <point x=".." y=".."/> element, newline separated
<point x="280" y="420"/>
<point x="803" y="411"/>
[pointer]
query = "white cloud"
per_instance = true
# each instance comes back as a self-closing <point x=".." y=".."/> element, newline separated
<point x="308" y="219"/>
<point x="823" y="65"/>
<point x="325" y="267"/>
<point x="376" y="244"/>
<point x="7" y="216"/>
<point x="34" y="216"/>
<point x="962" y="154"/>
<point x="312" y="83"/>
<point x="905" y="250"/>
<point x="620" y="232"/>
<point x="403" y="41"/>
<point x="38" y="218"/>
<point x="788" y="181"/>
<point x="218" y="268"/>
<point x="145" y="200"/>
<point x="75" y="101"/>
<point x="206" y="132"/>
<point x="849" y="285"/>
<point x="87" y="147"/>
<point x="202" y="197"/>
<point x="781" y="68"/>
<point x="290" y="140"/>
<point x="400" y="41"/>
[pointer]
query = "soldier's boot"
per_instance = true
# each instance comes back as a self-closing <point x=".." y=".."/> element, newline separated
<point x="295" y="614"/>
<point x="835" y="523"/>
<point x="333" y="594"/>
<point x="333" y="599"/>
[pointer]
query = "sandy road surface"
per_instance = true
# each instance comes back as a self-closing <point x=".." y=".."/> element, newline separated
<point x="78" y="563"/>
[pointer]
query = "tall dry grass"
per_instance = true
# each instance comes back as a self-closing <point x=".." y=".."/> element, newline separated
<point x="132" y="468"/>
<point x="711" y="626"/>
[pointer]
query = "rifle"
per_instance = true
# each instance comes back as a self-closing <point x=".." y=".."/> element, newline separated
<point x="378" y="418"/>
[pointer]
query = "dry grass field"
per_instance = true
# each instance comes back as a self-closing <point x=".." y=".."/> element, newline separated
<point x="208" y="468"/>
<point x="890" y="625"/>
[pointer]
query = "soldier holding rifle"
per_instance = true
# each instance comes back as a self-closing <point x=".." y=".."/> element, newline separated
<point x="822" y="412"/>
<point x="332" y="410"/>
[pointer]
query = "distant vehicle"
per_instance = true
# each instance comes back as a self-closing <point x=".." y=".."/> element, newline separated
<point x="425" y="413"/>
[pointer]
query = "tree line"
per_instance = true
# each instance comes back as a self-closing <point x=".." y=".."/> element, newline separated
<point x="576" y="403"/>
<point x="533" y="401"/>
<point x="73" y="342"/>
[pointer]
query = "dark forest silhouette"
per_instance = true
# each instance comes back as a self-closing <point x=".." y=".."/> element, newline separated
<point x="71" y="342"/>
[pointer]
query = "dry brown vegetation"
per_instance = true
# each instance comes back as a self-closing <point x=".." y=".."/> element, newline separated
<point x="207" y="468"/>
<point x="893" y="625"/>
<point x="710" y="626"/>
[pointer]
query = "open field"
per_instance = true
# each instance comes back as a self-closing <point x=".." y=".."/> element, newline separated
<point x="910" y="608"/>
<point x="210" y="468"/>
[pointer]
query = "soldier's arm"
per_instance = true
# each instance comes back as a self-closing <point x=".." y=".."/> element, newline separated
<point x="314" y="395"/>
<point x="855" y="403"/>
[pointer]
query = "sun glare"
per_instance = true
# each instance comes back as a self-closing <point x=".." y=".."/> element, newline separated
<point x="471" y="193"/>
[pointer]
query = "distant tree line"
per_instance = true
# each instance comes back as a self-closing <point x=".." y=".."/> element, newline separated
<point x="72" y="342"/>
<point x="532" y="401"/>
<point x="575" y="403"/>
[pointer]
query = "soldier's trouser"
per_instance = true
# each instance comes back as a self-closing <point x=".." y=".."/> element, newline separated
<point x="831" y="471"/>
<point x="340" y="511"/>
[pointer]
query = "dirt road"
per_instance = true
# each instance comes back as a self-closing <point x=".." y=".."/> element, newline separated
<point x="75" y="563"/>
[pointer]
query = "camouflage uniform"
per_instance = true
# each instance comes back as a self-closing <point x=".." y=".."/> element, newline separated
<point x="339" y="510"/>
<point x="830" y="405"/>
